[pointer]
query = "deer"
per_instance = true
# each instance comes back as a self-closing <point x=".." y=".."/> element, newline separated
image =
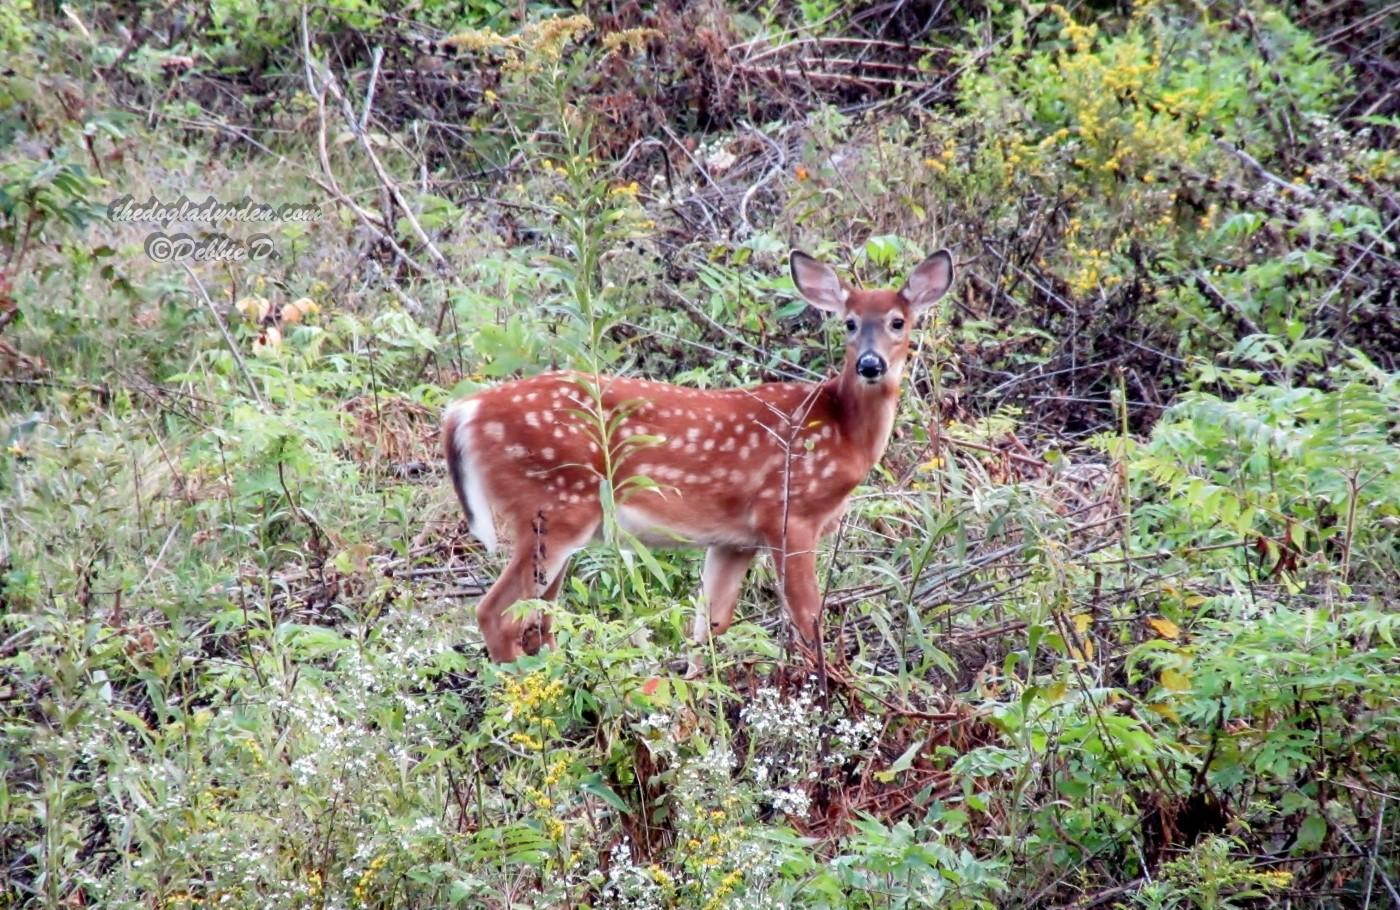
<point x="764" y="469"/>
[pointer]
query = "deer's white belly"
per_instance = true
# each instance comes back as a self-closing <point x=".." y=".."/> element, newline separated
<point x="656" y="531"/>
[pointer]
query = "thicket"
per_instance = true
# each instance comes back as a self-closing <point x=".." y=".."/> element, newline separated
<point x="1113" y="624"/>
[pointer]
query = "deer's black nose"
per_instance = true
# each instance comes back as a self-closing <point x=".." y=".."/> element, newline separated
<point x="870" y="366"/>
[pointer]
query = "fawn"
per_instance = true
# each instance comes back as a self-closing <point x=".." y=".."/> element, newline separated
<point x="736" y="471"/>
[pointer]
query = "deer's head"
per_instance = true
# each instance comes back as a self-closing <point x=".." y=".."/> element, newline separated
<point x="877" y="321"/>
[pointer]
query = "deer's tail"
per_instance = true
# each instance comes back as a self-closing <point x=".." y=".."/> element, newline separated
<point x="464" y="469"/>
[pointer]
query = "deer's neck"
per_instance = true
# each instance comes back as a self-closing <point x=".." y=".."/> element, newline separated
<point x="865" y="412"/>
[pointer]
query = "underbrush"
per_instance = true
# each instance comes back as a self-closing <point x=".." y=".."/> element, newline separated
<point x="1112" y="623"/>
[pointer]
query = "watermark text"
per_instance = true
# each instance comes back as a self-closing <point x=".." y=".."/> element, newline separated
<point x="163" y="247"/>
<point x="210" y="211"/>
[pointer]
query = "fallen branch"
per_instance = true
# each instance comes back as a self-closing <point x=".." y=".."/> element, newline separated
<point x="795" y="76"/>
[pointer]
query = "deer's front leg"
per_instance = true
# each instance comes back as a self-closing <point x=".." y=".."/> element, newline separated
<point x="796" y="560"/>
<point x="719" y="583"/>
<point x="719" y="589"/>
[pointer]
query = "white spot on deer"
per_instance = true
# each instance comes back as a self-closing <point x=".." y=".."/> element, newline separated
<point x="676" y="443"/>
<point x="709" y="445"/>
<point x="753" y="439"/>
<point x="736" y="476"/>
<point x="691" y="449"/>
<point x="829" y="470"/>
<point x="744" y="452"/>
<point x="515" y="451"/>
<point x="592" y="446"/>
<point x="495" y="430"/>
<point x="692" y="434"/>
<point x="814" y="486"/>
<point x="547" y="453"/>
<point x="532" y="396"/>
<point x="548" y="416"/>
<point x="532" y="419"/>
<point x="558" y="432"/>
<point x="516" y="399"/>
<point x="727" y="445"/>
<point x="826" y="431"/>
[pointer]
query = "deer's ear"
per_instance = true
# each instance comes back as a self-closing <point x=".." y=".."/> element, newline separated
<point x="929" y="281"/>
<point x="817" y="283"/>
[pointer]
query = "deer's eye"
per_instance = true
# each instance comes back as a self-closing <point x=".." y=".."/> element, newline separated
<point x="850" y="325"/>
<point x="897" y="324"/>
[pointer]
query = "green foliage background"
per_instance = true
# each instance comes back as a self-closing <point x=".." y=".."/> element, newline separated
<point x="1114" y="623"/>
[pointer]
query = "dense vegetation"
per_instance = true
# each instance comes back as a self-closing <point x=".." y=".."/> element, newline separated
<point x="1113" y="625"/>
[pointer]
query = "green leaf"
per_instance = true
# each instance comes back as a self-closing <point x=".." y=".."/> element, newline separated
<point x="1310" y="834"/>
<point x="310" y="642"/>
<point x="594" y="786"/>
<point x="903" y="763"/>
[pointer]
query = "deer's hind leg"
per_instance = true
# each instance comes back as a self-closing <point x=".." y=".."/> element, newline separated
<point x="500" y="631"/>
<point x="544" y="542"/>
<point x="545" y="621"/>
